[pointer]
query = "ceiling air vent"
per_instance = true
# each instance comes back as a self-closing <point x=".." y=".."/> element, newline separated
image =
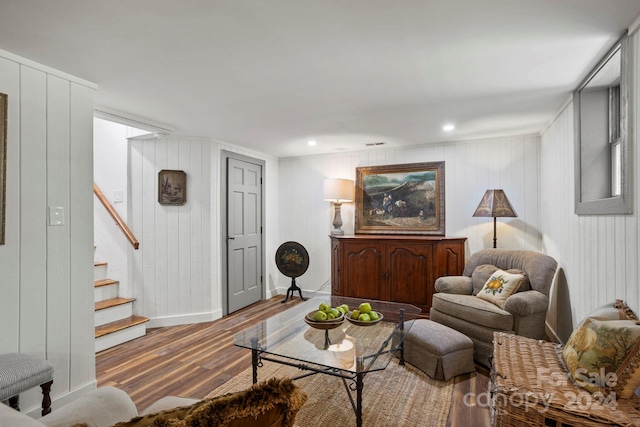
<point x="373" y="144"/>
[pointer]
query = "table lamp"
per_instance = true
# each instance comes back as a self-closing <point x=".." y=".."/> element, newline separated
<point x="338" y="191"/>
<point x="494" y="204"/>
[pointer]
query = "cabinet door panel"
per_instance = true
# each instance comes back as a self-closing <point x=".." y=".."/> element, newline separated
<point x="361" y="273"/>
<point x="450" y="259"/>
<point x="336" y="288"/>
<point x="411" y="274"/>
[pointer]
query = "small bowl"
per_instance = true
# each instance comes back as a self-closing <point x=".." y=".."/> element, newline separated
<point x="323" y="324"/>
<point x="369" y="323"/>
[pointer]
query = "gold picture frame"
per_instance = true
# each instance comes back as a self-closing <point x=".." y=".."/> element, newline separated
<point x="172" y="187"/>
<point x="4" y="102"/>
<point x="400" y="199"/>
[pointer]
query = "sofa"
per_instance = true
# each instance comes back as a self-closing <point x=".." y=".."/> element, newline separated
<point x="456" y="303"/>
<point x="274" y="402"/>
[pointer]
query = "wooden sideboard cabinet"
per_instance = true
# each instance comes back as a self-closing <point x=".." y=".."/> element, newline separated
<point x="395" y="268"/>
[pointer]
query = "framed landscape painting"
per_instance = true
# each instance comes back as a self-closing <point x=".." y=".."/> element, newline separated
<point x="400" y="199"/>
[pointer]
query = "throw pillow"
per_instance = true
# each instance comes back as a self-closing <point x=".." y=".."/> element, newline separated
<point x="604" y="356"/>
<point x="480" y="276"/>
<point x="274" y="402"/>
<point x="617" y="310"/>
<point x="482" y="273"/>
<point x="500" y="286"/>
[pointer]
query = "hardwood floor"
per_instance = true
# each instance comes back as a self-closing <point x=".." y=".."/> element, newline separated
<point x="191" y="360"/>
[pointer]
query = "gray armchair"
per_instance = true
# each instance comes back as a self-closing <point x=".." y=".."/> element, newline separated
<point x="455" y="303"/>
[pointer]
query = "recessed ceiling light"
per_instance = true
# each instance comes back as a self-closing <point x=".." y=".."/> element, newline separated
<point x="448" y="127"/>
<point x="311" y="143"/>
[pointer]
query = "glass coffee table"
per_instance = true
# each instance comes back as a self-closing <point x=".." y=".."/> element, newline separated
<point x="348" y="350"/>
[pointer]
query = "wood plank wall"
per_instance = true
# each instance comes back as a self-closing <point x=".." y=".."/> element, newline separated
<point x="471" y="167"/>
<point x="172" y="268"/>
<point x="47" y="273"/>
<point x="598" y="255"/>
<point x="177" y="272"/>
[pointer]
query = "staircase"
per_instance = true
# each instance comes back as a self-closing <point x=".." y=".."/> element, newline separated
<point x="115" y="322"/>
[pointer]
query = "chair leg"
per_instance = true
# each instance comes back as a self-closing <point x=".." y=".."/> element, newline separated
<point x="14" y="402"/>
<point x="46" y="398"/>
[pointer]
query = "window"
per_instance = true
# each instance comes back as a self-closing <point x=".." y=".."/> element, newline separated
<point x="601" y="137"/>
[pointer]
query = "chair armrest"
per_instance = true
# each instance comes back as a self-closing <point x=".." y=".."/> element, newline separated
<point x="526" y="303"/>
<point x="13" y="418"/>
<point x="461" y="285"/>
<point x="102" y="407"/>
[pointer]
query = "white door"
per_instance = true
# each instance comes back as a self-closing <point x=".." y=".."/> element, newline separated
<point x="244" y="234"/>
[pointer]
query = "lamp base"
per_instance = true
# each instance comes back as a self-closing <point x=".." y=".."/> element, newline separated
<point x="337" y="221"/>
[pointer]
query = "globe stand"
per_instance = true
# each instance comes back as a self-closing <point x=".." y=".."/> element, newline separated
<point x="292" y="289"/>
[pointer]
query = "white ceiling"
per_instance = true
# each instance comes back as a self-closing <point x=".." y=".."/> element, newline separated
<point x="270" y="75"/>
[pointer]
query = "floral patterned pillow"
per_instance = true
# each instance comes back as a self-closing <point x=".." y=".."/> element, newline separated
<point x="604" y="356"/>
<point x="500" y="286"/>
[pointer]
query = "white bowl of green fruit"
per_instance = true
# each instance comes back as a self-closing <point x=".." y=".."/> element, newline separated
<point x="364" y="315"/>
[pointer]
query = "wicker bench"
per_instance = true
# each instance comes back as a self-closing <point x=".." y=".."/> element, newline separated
<point x="529" y="386"/>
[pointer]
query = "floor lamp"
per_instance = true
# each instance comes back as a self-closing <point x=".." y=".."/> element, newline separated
<point x="494" y="204"/>
<point x="338" y="191"/>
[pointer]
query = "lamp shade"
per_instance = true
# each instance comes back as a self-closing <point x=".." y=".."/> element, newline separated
<point x="338" y="190"/>
<point x="494" y="204"/>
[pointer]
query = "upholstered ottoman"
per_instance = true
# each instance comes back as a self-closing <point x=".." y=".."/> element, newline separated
<point x="20" y="372"/>
<point x="437" y="350"/>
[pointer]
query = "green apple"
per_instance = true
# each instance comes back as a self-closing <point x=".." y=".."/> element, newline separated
<point x="319" y="316"/>
<point x="364" y="317"/>
<point x="355" y="314"/>
<point x="330" y="316"/>
<point x="341" y="309"/>
<point x="324" y="307"/>
<point x="345" y="307"/>
<point x="336" y="313"/>
<point x="365" y="307"/>
<point x="374" y="315"/>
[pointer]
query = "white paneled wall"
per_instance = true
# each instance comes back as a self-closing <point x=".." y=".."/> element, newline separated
<point x="171" y="272"/>
<point x="471" y="168"/>
<point x="176" y="272"/>
<point x="598" y="255"/>
<point x="47" y="271"/>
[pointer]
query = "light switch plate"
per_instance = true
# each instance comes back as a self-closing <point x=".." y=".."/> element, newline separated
<point x="56" y="215"/>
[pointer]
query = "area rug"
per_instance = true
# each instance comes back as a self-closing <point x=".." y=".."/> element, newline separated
<point x="398" y="396"/>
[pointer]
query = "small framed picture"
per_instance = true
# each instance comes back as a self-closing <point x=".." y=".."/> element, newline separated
<point x="172" y="187"/>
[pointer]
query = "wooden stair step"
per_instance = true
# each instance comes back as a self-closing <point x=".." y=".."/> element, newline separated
<point x="119" y="325"/>
<point x="104" y="282"/>
<point x="113" y="302"/>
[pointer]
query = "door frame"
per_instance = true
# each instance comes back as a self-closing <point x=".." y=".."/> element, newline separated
<point x="224" y="200"/>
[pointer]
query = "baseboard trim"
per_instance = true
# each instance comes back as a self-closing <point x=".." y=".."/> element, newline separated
<point x="160" y="322"/>
<point x="305" y="293"/>
<point x="551" y="333"/>
<point x="60" y="401"/>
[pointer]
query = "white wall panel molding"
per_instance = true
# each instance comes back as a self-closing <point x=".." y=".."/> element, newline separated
<point x="597" y="255"/>
<point x="48" y="70"/>
<point x="172" y="275"/>
<point x="47" y="303"/>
